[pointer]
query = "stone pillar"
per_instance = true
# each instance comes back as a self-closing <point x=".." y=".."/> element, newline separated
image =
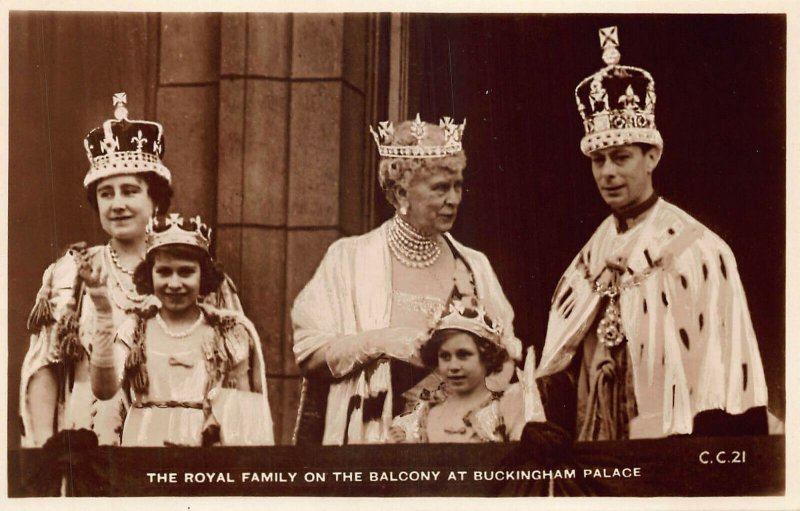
<point x="266" y="122"/>
<point x="291" y="167"/>
<point x="251" y="196"/>
<point x="328" y="143"/>
<point x="187" y="102"/>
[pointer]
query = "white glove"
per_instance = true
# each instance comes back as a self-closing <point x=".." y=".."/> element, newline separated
<point x="347" y="353"/>
<point x="94" y="279"/>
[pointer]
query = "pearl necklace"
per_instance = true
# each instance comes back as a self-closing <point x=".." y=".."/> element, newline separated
<point x="179" y="335"/>
<point x="115" y="260"/>
<point x="410" y="246"/>
<point x="132" y="296"/>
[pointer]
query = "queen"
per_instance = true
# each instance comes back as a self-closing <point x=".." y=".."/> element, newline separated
<point x="358" y="322"/>
<point x="126" y="184"/>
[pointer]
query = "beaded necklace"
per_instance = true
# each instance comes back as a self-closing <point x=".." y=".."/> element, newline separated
<point x="130" y="295"/>
<point x="179" y="335"/>
<point x="115" y="260"/>
<point x="409" y="246"/>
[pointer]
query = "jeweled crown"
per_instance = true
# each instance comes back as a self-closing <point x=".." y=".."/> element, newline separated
<point x="453" y="134"/>
<point x="173" y="229"/>
<point x="617" y="103"/>
<point x="469" y="315"/>
<point x="123" y="146"/>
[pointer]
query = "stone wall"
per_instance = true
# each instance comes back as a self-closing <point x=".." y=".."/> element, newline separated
<point x="266" y="119"/>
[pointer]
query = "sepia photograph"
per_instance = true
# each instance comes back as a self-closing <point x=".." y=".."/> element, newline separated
<point x="396" y="254"/>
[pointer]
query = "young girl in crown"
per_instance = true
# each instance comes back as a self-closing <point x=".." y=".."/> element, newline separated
<point x="195" y="374"/>
<point x="464" y="348"/>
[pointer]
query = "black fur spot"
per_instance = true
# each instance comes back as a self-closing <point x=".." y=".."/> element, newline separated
<point x="684" y="338"/>
<point x="701" y="320"/>
<point x="664" y="299"/>
<point x="641" y="351"/>
<point x="373" y="406"/>
<point x="744" y="377"/>
<point x="564" y="296"/>
<point x="705" y="272"/>
<point x="630" y="270"/>
<point x="671" y="231"/>
<point x="684" y="282"/>
<point x="673" y="396"/>
<point x="644" y="305"/>
<point x="722" y="267"/>
<point x="649" y="259"/>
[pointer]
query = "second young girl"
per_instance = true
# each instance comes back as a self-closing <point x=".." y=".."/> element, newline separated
<point x="464" y="347"/>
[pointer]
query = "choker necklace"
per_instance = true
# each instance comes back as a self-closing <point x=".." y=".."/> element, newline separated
<point x="115" y="259"/>
<point x="410" y="246"/>
<point x="179" y="335"/>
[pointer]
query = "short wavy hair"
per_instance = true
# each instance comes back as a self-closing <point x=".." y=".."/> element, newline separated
<point x="394" y="172"/>
<point x="211" y="273"/>
<point x="491" y="355"/>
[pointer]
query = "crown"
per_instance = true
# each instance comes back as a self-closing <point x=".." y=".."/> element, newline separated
<point x="468" y="315"/>
<point x="173" y="229"/>
<point x="123" y="146"/>
<point x="617" y="103"/>
<point x="452" y="133"/>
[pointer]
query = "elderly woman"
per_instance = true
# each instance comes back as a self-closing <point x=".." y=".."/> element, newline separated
<point x="357" y="322"/>
<point x="126" y="184"/>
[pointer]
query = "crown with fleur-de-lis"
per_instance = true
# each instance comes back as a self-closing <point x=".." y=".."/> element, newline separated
<point x="384" y="139"/>
<point x="173" y="229"/>
<point x="469" y="315"/>
<point x="617" y="103"/>
<point x="124" y="146"/>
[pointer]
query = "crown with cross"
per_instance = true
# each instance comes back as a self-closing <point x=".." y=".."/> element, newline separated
<point x="453" y="134"/>
<point x="124" y="146"/>
<point x="173" y="229"/>
<point x="617" y="103"/>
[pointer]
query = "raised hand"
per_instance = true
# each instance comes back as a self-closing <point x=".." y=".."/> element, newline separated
<point x="89" y="273"/>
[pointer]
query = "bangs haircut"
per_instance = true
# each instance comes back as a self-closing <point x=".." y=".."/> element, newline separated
<point x="211" y="274"/>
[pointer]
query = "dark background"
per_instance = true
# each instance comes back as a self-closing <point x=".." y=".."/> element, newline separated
<point x="530" y="201"/>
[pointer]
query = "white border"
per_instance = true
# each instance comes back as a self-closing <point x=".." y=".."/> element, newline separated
<point x="791" y="9"/>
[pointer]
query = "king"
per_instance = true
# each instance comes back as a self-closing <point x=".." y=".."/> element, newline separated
<point x="649" y="334"/>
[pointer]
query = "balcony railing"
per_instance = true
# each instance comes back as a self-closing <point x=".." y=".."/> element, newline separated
<point x="680" y="466"/>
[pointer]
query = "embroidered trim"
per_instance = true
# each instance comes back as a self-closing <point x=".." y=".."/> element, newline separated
<point x="428" y="305"/>
<point x="198" y="405"/>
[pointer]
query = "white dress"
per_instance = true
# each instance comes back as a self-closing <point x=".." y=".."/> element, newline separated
<point x="181" y="386"/>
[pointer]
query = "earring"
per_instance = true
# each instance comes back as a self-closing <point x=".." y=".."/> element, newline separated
<point x="404" y="210"/>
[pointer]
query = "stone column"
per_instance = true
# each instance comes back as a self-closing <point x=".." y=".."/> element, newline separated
<point x="187" y="102"/>
<point x="292" y="147"/>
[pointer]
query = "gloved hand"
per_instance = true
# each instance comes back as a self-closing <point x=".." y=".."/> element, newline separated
<point x="94" y="279"/>
<point x="347" y="353"/>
